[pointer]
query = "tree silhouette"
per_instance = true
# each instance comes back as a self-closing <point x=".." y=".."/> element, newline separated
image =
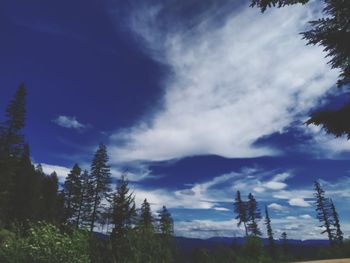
<point x="269" y="232"/>
<point x="323" y="209"/>
<point x="284" y="239"/>
<point x="336" y="223"/>
<point x="101" y="180"/>
<point x="253" y="216"/>
<point x="240" y="208"/>
<point x="73" y="195"/>
<point x="166" y="223"/>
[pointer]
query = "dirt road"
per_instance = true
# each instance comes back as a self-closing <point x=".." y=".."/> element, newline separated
<point x="344" y="260"/>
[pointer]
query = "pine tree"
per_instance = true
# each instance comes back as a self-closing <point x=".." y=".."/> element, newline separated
<point x="284" y="240"/>
<point x="323" y="209"/>
<point x="124" y="212"/>
<point x="73" y="195"/>
<point x="253" y="216"/>
<point x="87" y="198"/>
<point x="166" y="224"/>
<point x="269" y="232"/>
<point x="146" y="219"/>
<point x="11" y="149"/>
<point x="101" y="180"/>
<point x="240" y="208"/>
<point x="336" y="223"/>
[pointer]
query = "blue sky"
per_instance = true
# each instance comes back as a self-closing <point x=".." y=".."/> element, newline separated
<point x="195" y="99"/>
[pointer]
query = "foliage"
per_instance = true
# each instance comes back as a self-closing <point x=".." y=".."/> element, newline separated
<point x="240" y="208"/>
<point x="45" y="243"/>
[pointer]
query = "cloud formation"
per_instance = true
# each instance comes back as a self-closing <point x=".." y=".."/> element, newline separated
<point x="69" y="122"/>
<point x="230" y="85"/>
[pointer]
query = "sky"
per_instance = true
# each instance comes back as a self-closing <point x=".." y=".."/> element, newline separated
<point x="194" y="99"/>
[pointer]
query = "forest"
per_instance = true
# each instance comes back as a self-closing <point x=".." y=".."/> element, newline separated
<point x="42" y="221"/>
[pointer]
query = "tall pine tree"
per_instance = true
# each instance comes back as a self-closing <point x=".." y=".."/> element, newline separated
<point x="166" y="223"/>
<point x="124" y="212"/>
<point x="253" y="216"/>
<point x="323" y="209"/>
<point x="336" y="223"/>
<point x="101" y="180"/>
<point x="11" y="150"/>
<point x="269" y="232"/>
<point x="73" y="195"/>
<point x="240" y="208"/>
<point x="146" y="219"/>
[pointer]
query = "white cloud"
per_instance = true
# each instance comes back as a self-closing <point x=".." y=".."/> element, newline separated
<point x="306" y="216"/>
<point x="277" y="207"/>
<point x="275" y="185"/>
<point x="230" y="85"/>
<point x="61" y="171"/>
<point x="298" y="202"/>
<point x="221" y="209"/>
<point x="69" y="122"/>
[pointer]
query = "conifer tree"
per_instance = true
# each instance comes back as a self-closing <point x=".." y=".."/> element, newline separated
<point x="101" y="180"/>
<point x="73" y="194"/>
<point x="240" y="208"/>
<point x="284" y="239"/>
<point x="166" y="224"/>
<point x="323" y="209"/>
<point x="253" y="216"/>
<point x="336" y="223"/>
<point x="146" y="219"/>
<point x="86" y="201"/>
<point x="11" y="149"/>
<point x="124" y="211"/>
<point x="269" y="232"/>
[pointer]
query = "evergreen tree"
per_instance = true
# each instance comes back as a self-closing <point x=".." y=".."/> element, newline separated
<point x="323" y="209"/>
<point x="11" y="149"/>
<point x="336" y="223"/>
<point x="253" y="216"/>
<point x="124" y="212"/>
<point x="24" y="189"/>
<point x="166" y="224"/>
<point x="73" y="195"/>
<point x="240" y="208"/>
<point x="269" y="232"/>
<point x="87" y="198"/>
<point x="50" y="198"/>
<point x="284" y="240"/>
<point x="146" y="219"/>
<point x="101" y="180"/>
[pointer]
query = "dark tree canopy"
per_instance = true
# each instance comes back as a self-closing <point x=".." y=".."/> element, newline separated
<point x="253" y="216"/>
<point x="240" y="208"/>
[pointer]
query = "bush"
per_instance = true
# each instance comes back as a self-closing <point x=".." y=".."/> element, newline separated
<point x="45" y="243"/>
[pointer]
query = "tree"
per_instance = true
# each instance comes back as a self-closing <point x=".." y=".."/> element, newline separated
<point x="284" y="240"/>
<point x="101" y="180"/>
<point x="166" y="223"/>
<point x="336" y="223"/>
<point x="11" y="149"/>
<point x="146" y="219"/>
<point x="73" y="195"/>
<point x="333" y="33"/>
<point x="323" y="209"/>
<point x="269" y="232"/>
<point x="124" y="211"/>
<point x="240" y="209"/>
<point x="87" y="198"/>
<point x="253" y="216"/>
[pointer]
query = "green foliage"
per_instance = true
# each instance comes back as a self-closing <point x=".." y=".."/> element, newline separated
<point x="253" y="216"/>
<point x="240" y="208"/>
<point x="45" y="243"/>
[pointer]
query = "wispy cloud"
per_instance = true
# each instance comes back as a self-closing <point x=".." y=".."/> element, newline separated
<point x="69" y="122"/>
<point x="224" y="94"/>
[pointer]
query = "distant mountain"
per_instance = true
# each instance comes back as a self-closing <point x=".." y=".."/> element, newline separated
<point x="193" y="243"/>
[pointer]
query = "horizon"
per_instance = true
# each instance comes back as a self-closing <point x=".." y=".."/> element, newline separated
<point x="194" y="100"/>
